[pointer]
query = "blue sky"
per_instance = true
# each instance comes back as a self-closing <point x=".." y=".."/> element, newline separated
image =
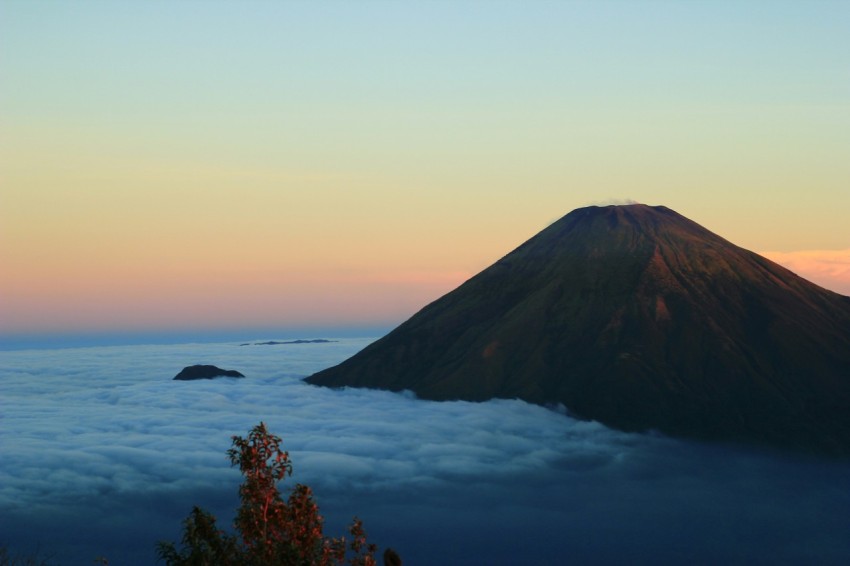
<point x="366" y="157"/>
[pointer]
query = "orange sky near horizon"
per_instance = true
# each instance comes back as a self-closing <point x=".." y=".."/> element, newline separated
<point x="828" y="268"/>
<point x="285" y="164"/>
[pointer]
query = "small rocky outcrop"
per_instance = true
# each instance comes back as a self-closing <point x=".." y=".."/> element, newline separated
<point x="192" y="373"/>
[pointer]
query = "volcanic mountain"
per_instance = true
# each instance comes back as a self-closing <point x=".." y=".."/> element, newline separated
<point x="641" y="319"/>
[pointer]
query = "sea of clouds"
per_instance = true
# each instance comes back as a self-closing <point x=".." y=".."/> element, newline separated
<point x="103" y="455"/>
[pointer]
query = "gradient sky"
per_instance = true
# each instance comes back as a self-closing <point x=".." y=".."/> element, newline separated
<point x="283" y="164"/>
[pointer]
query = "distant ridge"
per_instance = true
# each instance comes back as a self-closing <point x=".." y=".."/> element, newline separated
<point x="299" y="341"/>
<point x="639" y="318"/>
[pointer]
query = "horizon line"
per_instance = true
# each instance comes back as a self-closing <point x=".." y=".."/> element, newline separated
<point x="56" y="340"/>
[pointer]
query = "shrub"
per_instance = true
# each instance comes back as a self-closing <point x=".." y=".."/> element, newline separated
<point x="33" y="559"/>
<point x="270" y="530"/>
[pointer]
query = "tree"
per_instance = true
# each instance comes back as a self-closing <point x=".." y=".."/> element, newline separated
<point x="33" y="559"/>
<point x="271" y="531"/>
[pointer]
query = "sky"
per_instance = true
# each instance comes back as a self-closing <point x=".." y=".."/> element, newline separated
<point x="104" y="455"/>
<point x="188" y="165"/>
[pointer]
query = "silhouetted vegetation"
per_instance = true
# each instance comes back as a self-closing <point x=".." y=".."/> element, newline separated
<point x="270" y="530"/>
<point x="32" y="559"/>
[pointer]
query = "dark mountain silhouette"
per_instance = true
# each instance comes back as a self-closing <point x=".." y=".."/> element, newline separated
<point x="641" y="319"/>
<point x="204" y="372"/>
<point x="299" y="341"/>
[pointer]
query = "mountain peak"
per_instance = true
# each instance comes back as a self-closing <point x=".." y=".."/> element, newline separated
<point x="640" y="318"/>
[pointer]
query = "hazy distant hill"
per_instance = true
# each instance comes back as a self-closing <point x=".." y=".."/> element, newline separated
<point x="639" y="318"/>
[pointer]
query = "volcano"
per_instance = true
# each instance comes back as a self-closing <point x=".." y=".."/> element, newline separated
<point x="641" y="319"/>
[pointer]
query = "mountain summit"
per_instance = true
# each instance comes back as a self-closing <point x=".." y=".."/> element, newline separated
<point x="641" y="319"/>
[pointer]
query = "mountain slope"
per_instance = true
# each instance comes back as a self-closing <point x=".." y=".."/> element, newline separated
<point x="639" y="318"/>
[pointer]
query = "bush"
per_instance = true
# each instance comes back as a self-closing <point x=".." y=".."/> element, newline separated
<point x="270" y="530"/>
<point x="33" y="559"/>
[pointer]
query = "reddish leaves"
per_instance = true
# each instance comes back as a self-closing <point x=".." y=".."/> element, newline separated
<point x="272" y="531"/>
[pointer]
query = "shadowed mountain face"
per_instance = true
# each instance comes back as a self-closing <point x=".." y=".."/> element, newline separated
<point x="639" y="318"/>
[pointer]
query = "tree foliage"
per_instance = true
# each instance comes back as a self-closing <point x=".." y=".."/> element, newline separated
<point x="270" y="530"/>
<point x="33" y="559"/>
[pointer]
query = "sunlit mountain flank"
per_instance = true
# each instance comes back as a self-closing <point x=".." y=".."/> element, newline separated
<point x="639" y="318"/>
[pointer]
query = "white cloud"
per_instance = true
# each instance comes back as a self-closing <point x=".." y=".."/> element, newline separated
<point x="103" y="450"/>
<point x="618" y="201"/>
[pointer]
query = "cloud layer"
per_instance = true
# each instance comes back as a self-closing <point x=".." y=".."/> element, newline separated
<point x="104" y="454"/>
